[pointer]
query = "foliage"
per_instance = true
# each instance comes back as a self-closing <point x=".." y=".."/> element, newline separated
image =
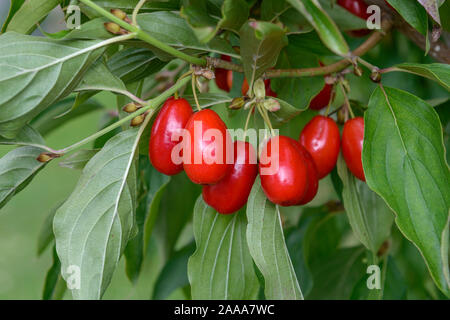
<point x="121" y="205"/>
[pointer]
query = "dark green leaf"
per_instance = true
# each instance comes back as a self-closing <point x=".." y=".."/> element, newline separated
<point x="370" y="218"/>
<point x="129" y="5"/>
<point x="336" y="278"/>
<point x="267" y="246"/>
<point x="46" y="234"/>
<point x="405" y="164"/>
<point x="13" y="8"/>
<point x="435" y="71"/>
<point x="261" y="43"/>
<point x="413" y="13"/>
<point x="174" y="274"/>
<point x="54" y="285"/>
<point x="324" y="25"/>
<point x="30" y="13"/>
<point x="221" y="267"/>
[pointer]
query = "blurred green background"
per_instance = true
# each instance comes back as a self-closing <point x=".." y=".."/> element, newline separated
<point x="22" y="273"/>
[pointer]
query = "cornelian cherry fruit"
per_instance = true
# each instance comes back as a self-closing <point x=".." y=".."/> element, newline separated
<point x="206" y="161"/>
<point x="322" y="99"/>
<point x="359" y="9"/>
<point x="352" y="144"/>
<point x="172" y="117"/>
<point x="231" y="193"/>
<point x="283" y="171"/>
<point x="224" y="77"/>
<point x="322" y="140"/>
<point x="313" y="178"/>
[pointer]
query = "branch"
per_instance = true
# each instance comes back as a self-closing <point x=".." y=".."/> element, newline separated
<point x="371" y="42"/>
<point x="438" y="50"/>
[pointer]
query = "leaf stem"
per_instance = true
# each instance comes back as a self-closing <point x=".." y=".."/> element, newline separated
<point x="135" y="12"/>
<point x="194" y="92"/>
<point x="142" y="35"/>
<point x="152" y="104"/>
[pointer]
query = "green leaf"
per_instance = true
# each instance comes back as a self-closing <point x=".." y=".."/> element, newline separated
<point x="175" y="211"/>
<point x="157" y="183"/>
<point x="51" y="118"/>
<point x="168" y="27"/>
<point x="30" y="13"/>
<point x="205" y="26"/>
<point x="174" y="274"/>
<point x="151" y="187"/>
<point x="207" y="100"/>
<point x="370" y="218"/>
<point x="129" y="5"/>
<point x="221" y="267"/>
<point x="54" y="286"/>
<point x="405" y="164"/>
<point x="261" y="43"/>
<point x="17" y="168"/>
<point x="413" y="13"/>
<point x="26" y="137"/>
<point x="94" y="225"/>
<point x="438" y="72"/>
<point x="35" y="72"/>
<point x="323" y="24"/>
<point x="133" y="64"/>
<point x="267" y="246"/>
<point x="343" y="18"/>
<point x="78" y="160"/>
<point x="46" y="235"/>
<point x="298" y="92"/>
<point x="100" y="78"/>
<point x="335" y="279"/>
<point x="13" y="8"/>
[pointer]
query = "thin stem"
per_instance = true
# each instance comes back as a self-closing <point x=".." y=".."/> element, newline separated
<point x="145" y="36"/>
<point x="194" y="92"/>
<point x="367" y="64"/>
<point x="135" y="12"/>
<point x="347" y="101"/>
<point x="266" y="118"/>
<point x="247" y="121"/>
<point x="152" y="104"/>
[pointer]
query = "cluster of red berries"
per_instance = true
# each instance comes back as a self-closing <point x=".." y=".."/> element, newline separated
<point x="226" y="186"/>
<point x="304" y="162"/>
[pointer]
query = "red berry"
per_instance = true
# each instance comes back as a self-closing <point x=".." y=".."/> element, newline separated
<point x="313" y="177"/>
<point x="287" y="182"/>
<point x="352" y="144"/>
<point x="359" y="9"/>
<point x="172" y="117"/>
<point x="206" y="163"/>
<point x="321" y="138"/>
<point x="231" y="193"/>
<point x="222" y="76"/>
<point x="322" y="99"/>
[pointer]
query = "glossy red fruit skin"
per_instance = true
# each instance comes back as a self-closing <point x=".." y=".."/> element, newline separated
<point x="269" y="91"/>
<point x="204" y="172"/>
<point x="231" y="193"/>
<point x="352" y="144"/>
<point x="288" y="185"/>
<point x="313" y="177"/>
<point x="222" y="76"/>
<point x="321" y="139"/>
<point x="359" y="9"/>
<point x="322" y="99"/>
<point x="172" y="117"/>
